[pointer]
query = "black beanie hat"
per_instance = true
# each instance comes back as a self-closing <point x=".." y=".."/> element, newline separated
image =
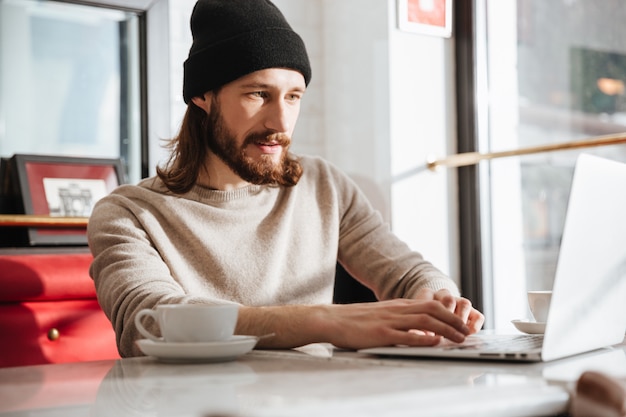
<point x="233" y="38"/>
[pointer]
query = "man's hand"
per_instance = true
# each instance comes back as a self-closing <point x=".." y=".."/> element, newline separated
<point x="395" y="322"/>
<point x="362" y="325"/>
<point x="460" y="306"/>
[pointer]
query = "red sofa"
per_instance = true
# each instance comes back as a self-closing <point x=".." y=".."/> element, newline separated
<point x="49" y="312"/>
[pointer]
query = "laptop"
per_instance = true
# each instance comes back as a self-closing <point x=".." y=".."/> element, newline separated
<point x="588" y="308"/>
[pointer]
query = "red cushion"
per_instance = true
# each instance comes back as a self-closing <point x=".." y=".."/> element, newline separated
<point x="45" y="277"/>
<point x="84" y="333"/>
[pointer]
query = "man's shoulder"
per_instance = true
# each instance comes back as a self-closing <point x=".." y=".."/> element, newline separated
<point x="312" y="160"/>
<point x="320" y="172"/>
<point x="145" y="189"/>
<point x="316" y="165"/>
<point x="150" y="184"/>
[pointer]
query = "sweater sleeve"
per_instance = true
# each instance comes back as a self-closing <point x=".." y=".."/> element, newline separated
<point x="375" y="256"/>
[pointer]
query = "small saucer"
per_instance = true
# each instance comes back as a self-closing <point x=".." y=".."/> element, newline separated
<point x="222" y="351"/>
<point x="530" y="327"/>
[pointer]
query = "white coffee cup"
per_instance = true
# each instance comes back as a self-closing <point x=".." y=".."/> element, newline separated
<point x="190" y="323"/>
<point x="539" y="303"/>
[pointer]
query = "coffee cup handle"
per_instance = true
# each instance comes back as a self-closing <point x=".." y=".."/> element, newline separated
<point x="142" y="330"/>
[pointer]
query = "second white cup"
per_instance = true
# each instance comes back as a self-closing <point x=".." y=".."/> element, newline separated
<point x="539" y="303"/>
<point x="190" y="323"/>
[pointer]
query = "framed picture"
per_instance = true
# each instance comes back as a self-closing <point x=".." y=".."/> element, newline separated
<point x="63" y="187"/>
<point x="427" y="17"/>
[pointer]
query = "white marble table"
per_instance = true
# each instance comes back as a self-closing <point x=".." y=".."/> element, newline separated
<point x="312" y="381"/>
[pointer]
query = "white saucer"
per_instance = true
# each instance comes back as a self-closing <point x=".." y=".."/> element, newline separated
<point x="199" y="352"/>
<point x="530" y="327"/>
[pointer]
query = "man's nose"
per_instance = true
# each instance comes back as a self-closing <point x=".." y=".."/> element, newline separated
<point x="278" y="117"/>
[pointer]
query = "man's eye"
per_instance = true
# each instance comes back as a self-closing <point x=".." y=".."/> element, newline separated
<point x="293" y="97"/>
<point x="260" y="94"/>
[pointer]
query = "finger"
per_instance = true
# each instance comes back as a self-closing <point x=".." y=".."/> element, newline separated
<point x="453" y="319"/>
<point x="417" y="339"/>
<point x="446" y="298"/>
<point x="421" y="332"/>
<point x="463" y="309"/>
<point x="436" y="319"/>
<point x="445" y="330"/>
<point x="475" y="321"/>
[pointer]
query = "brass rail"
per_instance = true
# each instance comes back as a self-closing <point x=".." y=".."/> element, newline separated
<point x="30" y="220"/>
<point x="471" y="158"/>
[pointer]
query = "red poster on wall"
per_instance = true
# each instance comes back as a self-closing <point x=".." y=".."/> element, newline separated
<point x="428" y="17"/>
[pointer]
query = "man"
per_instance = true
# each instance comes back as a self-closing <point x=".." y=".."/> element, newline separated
<point x="235" y="217"/>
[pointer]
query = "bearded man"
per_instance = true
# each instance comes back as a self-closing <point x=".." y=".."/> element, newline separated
<point x="235" y="217"/>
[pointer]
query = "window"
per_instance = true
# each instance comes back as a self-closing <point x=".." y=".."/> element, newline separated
<point x="545" y="73"/>
<point x="73" y="80"/>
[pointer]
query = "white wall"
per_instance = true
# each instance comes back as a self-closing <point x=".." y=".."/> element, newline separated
<point x="423" y="121"/>
<point x="378" y="105"/>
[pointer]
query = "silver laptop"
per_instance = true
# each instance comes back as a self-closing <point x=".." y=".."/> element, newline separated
<point x="588" y="307"/>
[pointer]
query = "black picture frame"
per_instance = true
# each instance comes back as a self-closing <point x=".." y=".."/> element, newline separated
<point x="59" y="186"/>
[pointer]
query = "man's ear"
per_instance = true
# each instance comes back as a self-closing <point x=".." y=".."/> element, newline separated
<point x="203" y="102"/>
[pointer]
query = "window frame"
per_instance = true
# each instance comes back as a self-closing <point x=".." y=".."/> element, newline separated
<point x="153" y="17"/>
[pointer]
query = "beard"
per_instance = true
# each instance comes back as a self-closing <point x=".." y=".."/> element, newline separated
<point x="263" y="171"/>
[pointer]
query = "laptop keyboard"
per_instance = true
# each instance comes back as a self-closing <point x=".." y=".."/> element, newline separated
<point x="516" y="343"/>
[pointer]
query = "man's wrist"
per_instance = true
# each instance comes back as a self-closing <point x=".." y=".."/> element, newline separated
<point x="292" y="326"/>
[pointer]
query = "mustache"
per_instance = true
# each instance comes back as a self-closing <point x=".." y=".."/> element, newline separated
<point x="268" y="137"/>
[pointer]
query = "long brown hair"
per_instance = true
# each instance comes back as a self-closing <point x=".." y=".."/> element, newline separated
<point x="188" y="153"/>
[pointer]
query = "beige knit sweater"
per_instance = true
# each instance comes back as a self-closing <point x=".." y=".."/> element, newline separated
<point x="258" y="245"/>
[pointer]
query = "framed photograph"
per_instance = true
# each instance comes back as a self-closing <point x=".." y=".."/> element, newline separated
<point x="427" y="17"/>
<point x="63" y="187"/>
